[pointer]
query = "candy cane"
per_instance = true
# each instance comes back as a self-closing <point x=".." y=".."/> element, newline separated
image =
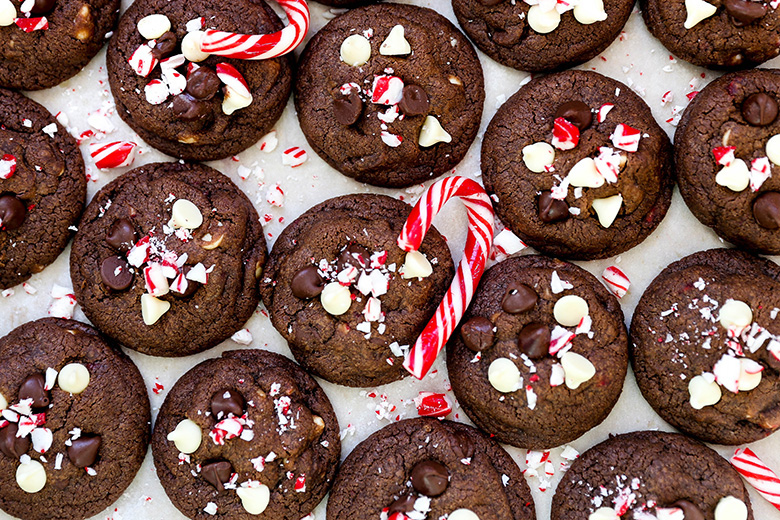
<point x="470" y="269"/>
<point x="758" y="474"/>
<point x="261" y="46"/>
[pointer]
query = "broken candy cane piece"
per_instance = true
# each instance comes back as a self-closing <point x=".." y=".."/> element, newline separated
<point x="566" y="136"/>
<point x="7" y="166"/>
<point x="626" y="138"/>
<point x="616" y="280"/>
<point x="112" y="155"/>
<point x="143" y="61"/>
<point x="758" y="474"/>
<point x="724" y="155"/>
<point x="430" y="404"/>
<point x="237" y="93"/>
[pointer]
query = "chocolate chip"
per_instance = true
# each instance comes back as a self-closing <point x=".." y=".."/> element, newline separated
<point x="430" y="478"/>
<point x="744" y="12"/>
<point x="121" y="235"/>
<point x="766" y="210"/>
<point x="307" y="283"/>
<point x="550" y="209"/>
<point x="347" y="109"/>
<point x="226" y="402"/>
<point x="462" y="445"/>
<point x="690" y="511"/>
<point x="84" y="450"/>
<point x="518" y="298"/>
<point x="405" y="504"/>
<point x="187" y="108"/>
<point x="354" y="255"/>
<point x="217" y="473"/>
<point x="203" y="83"/>
<point x="477" y="334"/>
<point x="414" y="101"/>
<point x="165" y="45"/>
<point x="42" y="7"/>
<point x="759" y="109"/>
<point x="534" y="340"/>
<point x="11" y="445"/>
<point x="115" y="273"/>
<point x="12" y="212"/>
<point x="576" y="113"/>
<point x="33" y="388"/>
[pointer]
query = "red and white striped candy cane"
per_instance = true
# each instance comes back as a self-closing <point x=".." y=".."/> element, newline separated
<point x="261" y="46"/>
<point x="478" y="243"/>
<point x="758" y="474"/>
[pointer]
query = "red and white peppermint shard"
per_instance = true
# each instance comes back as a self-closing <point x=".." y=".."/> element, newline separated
<point x="143" y="61"/>
<point x="603" y="110"/>
<point x="230" y="76"/>
<point x="626" y="138"/>
<point x="758" y="475"/>
<point x="760" y="171"/>
<point x="478" y="243"/>
<point x="7" y="166"/>
<point x="430" y="404"/>
<point x="387" y="90"/>
<point x="112" y="155"/>
<point x="616" y="280"/>
<point x="566" y="136"/>
<point x="32" y="24"/>
<point x="724" y="155"/>
<point x="261" y="46"/>
<point x="294" y="157"/>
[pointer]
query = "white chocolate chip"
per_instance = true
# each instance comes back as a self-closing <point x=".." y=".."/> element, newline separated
<point x="73" y="378"/>
<point x="697" y="10"/>
<point x="749" y="374"/>
<point x="187" y="436"/>
<point x="432" y="133"/>
<point x="773" y="149"/>
<point x="152" y="308"/>
<point x="355" y="50"/>
<point x="3" y="402"/>
<point x="335" y="299"/>
<point x="735" y="315"/>
<point x="154" y="26"/>
<point x="463" y="514"/>
<point x="395" y="44"/>
<point x="577" y="369"/>
<point x="31" y="476"/>
<point x="538" y="156"/>
<point x="504" y="375"/>
<point x="590" y="11"/>
<point x="185" y="214"/>
<point x="604" y="513"/>
<point x="416" y="266"/>
<point x="7" y="13"/>
<point x="543" y="21"/>
<point x="584" y="174"/>
<point x="254" y="499"/>
<point x="190" y="46"/>
<point x="704" y="391"/>
<point x="607" y="209"/>
<point x="731" y="508"/>
<point x="569" y="310"/>
<point x="735" y="176"/>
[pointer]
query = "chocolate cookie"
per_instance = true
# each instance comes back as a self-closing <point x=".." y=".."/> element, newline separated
<point x="651" y="474"/>
<point x="442" y="468"/>
<point x="706" y="346"/>
<point x="75" y="422"/>
<point x="167" y="258"/>
<point x="719" y="34"/>
<point x="727" y="147"/>
<point x="249" y="433"/>
<point x="536" y="36"/>
<point x="42" y="187"/>
<point x="187" y="103"/>
<point x="343" y="294"/>
<point x="577" y="166"/>
<point x="541" y="355"/>
<point x="45" y="42"/>
<point x="390" y="94"/>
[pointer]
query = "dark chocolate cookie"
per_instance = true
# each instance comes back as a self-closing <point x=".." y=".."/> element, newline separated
<point x="538" y="37"/>
<point x="335" y="287"/>
<point x="247" y="435"/>
<point x="75" y="421"/>
<point x="541" y="355"/>
<point x="390" y="94"/>
<point x="578" y="166"/>
<point x="442" y="468"/>
<point x="52" y="40"/>
<point x="651" y="474"/>
<point x="167" y="258"/>
<point x="720" y="34"/>
<point x="706" y="346"/>
<point x="727" y="152"/>
<point x="193" y="105"/>
<point x="42" y="187"/>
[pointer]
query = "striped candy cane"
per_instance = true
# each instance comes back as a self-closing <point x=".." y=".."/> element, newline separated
<point x="261" y="46"/>
<point x="758" y="474"/>
<point x="470" y="269"/>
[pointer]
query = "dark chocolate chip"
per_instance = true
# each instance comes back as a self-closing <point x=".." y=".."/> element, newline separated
<point x="12" y="212"/>
<point x="518" y="298"/>
<point x="477" y="334"/>
<point x="84" y="450"/>
<point x="354" y="255"/>
<point x="33" y="388"/>
<point x="690" y="510"/>
<point x="203" y="83"/>
<point x="121" y="235"/>
<point x="405" y="504"/>
<point x="744" y="12"/>
<point x="576" y="113"/>
<point x="11" y="445"/>
<point x="165" y="45"/>
<point x="217" y="473"/>
<point x="347" y="109"/>
<point x="115" y="273"/>
<point x="226" y="402"/>
<point x="414" y="101"/>
<point x="759" y="109"/>
<point x="430" y="478"/>
<point x="766" y="210"/>
<point x="550" y="209"/>
<point x="307" y="283"/>
<point x="42" y="7"/>
<point x="187" y="108"/>
<point x="534" y="340"/>
<point x="462" y="445"/>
